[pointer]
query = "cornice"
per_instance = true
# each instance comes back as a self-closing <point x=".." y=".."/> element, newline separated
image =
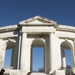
<point x="8" y="28"/>
<point x="66" y="28"/>
<point x="37" y="21"/>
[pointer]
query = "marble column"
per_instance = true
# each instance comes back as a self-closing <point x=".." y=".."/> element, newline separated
<point x="25" y="54"/>
<point x="52" y="53"/>
<point x="17" y="52"/>
<point x="15" y="57"/>
<point x="3" y="46"/>
<point x="63" y="58"/>
<point x="47" y="56"/>
<point x="73" y="56"/>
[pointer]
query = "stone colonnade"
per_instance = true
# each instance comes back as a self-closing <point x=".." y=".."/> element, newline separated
<point x="53" y="37"/>
<point x="21" y="55"/>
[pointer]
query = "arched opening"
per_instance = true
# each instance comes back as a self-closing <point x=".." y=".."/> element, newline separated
<point x="38" y="53"/>
<point x="38" y="59"/>
<point x="66" y="55"/>
<point x="68" y="58"/>
<point x="7" y="62"/>
<point x="9" y="55"/>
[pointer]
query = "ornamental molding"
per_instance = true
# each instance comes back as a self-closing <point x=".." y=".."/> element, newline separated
<point x="67" y="28"/>
<point x="38" y="20"/>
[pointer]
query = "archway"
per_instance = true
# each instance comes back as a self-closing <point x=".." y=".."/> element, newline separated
<point x="7" y="61"/>
<point x="66" y="55"/>
<point x="37" y="55"/>
<point x="9" y="54"/>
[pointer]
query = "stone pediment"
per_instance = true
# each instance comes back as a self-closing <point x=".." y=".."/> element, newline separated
<point x="38" y="20"/>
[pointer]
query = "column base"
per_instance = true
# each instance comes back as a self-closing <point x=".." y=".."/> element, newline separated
<point x="73" y="70"/>
<point x="60" y="72"/>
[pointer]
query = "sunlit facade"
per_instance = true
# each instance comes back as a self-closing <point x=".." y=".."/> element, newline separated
<point x="38" y="31"/>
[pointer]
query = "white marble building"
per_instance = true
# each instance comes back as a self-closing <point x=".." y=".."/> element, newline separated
<point x="25" y="35"/>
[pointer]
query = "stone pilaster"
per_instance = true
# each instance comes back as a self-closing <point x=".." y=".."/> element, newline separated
<point x="3" y="46"/>
<point x="47" y="56"/>
<point x="25" y="54"/>
<point x="73" y="57"/>
<point x="17" y="52"/>
<point x="52" y="53"/>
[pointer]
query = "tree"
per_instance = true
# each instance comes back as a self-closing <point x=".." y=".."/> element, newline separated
<point x="68" y="70"/>
<point x="41" y="70"/>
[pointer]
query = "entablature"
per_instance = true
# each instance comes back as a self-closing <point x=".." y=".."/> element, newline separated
<point x="66" y="28"/>
<point x="8" y="28"/>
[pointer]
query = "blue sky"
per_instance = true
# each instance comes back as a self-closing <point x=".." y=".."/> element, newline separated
<point x="14" y="11"/>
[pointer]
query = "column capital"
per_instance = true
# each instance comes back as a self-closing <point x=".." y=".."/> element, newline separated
<point x="24" y="35"/>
